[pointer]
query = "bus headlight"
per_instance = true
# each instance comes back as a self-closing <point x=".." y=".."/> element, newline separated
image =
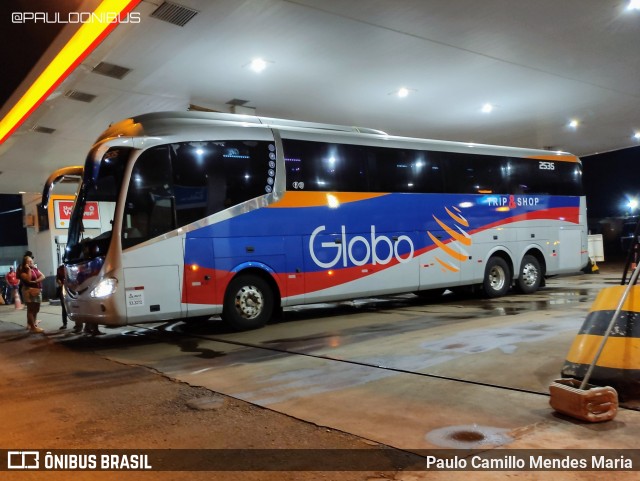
<point x="105" y="287"/>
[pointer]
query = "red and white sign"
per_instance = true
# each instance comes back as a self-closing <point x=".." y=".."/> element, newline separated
<point x="62" y="214"/>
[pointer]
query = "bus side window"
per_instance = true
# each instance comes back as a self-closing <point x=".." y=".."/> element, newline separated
<point x="211" y="176"/>
<point x="392" y="169"/>
<point x="325" y="166"/>
<point x="150" y="182"/>
<point x="195" y="189"/>
<point x="478" y="174"/>
<point x="548" y="177"/>
<point x="405" y="170"/>
<point x="161" y="216"/>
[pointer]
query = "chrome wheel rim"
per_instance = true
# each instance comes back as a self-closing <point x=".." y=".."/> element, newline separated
<point x="249" y="302"/>
<point x="529" y="275"/>
<point x="497" y="278"/>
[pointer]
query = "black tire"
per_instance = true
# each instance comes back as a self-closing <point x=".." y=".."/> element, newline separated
<point x="530" y="276"/>
<point x="248" y="303"/>
<point x="497" y="278"/>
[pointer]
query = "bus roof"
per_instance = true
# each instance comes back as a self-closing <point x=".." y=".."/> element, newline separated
<point x="171" y="123"/>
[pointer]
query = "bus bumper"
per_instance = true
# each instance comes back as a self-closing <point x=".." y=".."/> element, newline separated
<point x="92" y="312"/>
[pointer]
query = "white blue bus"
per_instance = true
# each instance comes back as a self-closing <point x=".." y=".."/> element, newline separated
<point x="241" y="216"/>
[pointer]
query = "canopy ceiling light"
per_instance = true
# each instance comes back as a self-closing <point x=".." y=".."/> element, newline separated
<point x="403" y="92"/>
<point x="633" y="5"/>
<point x="487" y="108"/>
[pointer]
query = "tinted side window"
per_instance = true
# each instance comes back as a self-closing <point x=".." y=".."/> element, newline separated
<point x="322" y="166"/>
<point x="403" y="170"/>
<point x="477" y="174"/>
<point x="212" y="176"/>
<point x="149" y="208"/>
<point x="530" y="176"/>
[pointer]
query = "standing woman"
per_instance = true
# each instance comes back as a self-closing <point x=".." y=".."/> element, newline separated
<point x="31" y="279"/>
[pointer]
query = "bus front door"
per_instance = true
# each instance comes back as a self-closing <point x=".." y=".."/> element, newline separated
<point x="152" y="293"/>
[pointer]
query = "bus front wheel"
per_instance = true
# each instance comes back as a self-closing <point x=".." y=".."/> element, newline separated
<point x="497" y="277"/>
<point x="248" y="303"/>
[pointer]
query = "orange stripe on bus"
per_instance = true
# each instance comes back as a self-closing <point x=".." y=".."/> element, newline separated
<point x="319" y="199"/>
<point x="447" y="249"/>
<point x="447" y="266"/>
<point x="462" y="238"/>
<point x="458" y="218"/>
<point x="560" y="158"/>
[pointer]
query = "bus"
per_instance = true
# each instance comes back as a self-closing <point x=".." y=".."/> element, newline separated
<point x="241" y="216"/>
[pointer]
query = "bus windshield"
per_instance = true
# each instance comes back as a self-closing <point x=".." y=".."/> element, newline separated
<point x="101" y="183"/>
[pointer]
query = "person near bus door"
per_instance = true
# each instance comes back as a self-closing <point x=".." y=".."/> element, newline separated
<point x="60" y="294"/>
<point x="31" y="279"/>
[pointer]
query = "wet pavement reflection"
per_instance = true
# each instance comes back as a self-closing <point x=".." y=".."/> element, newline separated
<point x="425" y="373"/>
<point x="460" y="337"/>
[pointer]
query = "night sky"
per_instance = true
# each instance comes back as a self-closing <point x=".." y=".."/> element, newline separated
<point x="609" y="180"/>
<point x="22" y="44"/>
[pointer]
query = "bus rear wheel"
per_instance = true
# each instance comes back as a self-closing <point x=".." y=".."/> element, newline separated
<point x="497" y="278"/>
<point x="530" y="276"/>
<point x="248" y="303"/>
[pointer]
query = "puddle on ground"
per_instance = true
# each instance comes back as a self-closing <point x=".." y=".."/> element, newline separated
<point x="504" y="338"/>
<point x="469" y="437"/>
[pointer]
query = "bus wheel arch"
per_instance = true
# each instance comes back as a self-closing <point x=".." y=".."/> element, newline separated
<point x="250" y="300"/>
<point x="498" y="275"/>
<point x="531" y="273"/>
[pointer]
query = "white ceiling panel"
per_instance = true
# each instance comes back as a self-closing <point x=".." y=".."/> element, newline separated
<point x="540" y="63"/>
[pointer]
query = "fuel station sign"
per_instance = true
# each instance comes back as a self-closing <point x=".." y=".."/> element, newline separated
<point x="62" y="213"/>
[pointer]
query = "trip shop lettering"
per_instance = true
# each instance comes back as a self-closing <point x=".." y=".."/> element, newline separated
<point x="512" y="201"/>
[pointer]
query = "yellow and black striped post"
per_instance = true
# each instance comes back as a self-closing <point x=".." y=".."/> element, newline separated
<point x="619" y="363"/>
